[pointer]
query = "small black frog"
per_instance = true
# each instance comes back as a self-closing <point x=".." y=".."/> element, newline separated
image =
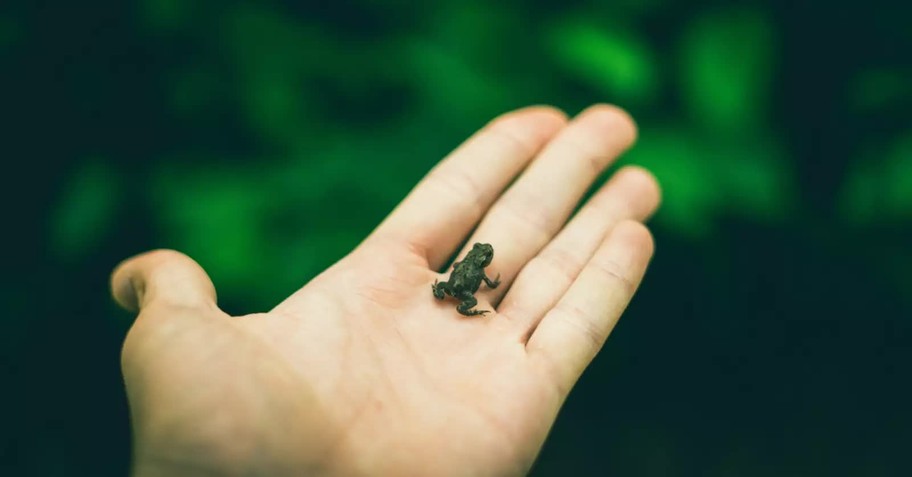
<point x="466" y="279"/>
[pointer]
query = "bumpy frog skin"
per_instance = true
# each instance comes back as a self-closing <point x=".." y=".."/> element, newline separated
<point x="466" y="279"/>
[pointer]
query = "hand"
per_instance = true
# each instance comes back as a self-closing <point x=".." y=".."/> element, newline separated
<point x="362" y="370"/>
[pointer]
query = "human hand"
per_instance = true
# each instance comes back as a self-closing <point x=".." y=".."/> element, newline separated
<point x="362" y="370"/>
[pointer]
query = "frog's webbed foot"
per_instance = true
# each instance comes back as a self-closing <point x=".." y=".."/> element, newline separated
<point x="468" y="302"/>
<point x="492" y="283"/>
<point x="439" y="289"/>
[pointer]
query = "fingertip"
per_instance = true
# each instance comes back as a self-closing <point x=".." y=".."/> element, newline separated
<point x="634" y="236"/>
<point x="545" y="120"/>
<point x="553" y="113"/>
<point x="165" y="275"/>
<point x="613" y="118"/>
<point x="646" y="184"/>
<point x="122" y="288"/>
<point x="126" y="286"/>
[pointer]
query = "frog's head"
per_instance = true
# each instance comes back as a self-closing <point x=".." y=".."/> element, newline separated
<point x="482" y="254"/>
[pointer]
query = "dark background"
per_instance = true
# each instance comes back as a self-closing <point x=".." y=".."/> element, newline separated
<point x="266" y="139"/>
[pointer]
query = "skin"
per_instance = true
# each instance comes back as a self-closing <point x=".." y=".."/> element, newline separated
<point x="360" y="371"/>
<point x="466" y="279"/>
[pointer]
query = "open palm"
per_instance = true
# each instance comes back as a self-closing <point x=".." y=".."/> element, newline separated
<point x="363" y="371"/>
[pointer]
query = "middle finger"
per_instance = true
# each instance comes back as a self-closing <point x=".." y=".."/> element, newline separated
<point x="534" y="209"/>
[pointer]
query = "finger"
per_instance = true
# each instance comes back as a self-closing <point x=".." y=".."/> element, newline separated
<point x="631" y="194"/>
<point x="162" y="277"/>
<point x="571" y="334"/>
<point x="529" y="214"/>
<point x="448" y="203"/>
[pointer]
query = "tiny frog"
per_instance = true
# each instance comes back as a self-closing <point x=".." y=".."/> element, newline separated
<point x="466" y="279"/>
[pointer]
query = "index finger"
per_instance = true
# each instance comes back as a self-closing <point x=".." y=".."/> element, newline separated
<point x="446" y="205"/>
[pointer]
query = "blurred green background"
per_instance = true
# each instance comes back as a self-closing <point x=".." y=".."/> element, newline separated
<point x="266" y="139"/>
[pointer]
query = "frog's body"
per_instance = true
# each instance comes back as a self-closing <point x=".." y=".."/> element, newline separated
<point x="466" y="279"/>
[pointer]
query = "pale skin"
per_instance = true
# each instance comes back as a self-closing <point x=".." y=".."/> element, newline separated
<point x="362" y="371"/>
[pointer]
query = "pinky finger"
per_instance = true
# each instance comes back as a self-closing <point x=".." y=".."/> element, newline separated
<point x="573" y="332"/>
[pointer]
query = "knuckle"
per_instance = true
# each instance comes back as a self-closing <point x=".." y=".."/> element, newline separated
<point x="596" y="154"/>
<point x="513" y="136"/>
<point x="560" y="265"/>
<point x="536" y="223"/>
<point x="527" y="129"/>
<point x="582" y="321"/>
<point x="600" y="134"/>
<point x="613" y="272"/>
<point x="456" y="183"/>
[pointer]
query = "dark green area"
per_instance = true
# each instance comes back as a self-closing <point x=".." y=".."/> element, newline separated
<point x="266" y="139"/>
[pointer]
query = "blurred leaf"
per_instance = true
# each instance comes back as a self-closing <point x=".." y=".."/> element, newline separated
<point x="611" y="59"/>
<point x="212" y="214"/>
<point x="899" y="160"/>
<point x="880" y="189"/>
<point x="691" y="194"/>
<point x="447" y="81"/>
<point x="860" y="196"/>
<point x="262" y="39"/>
<point x="86" y="209"/>
<point x="485" y="21"/>
<point x="294" y="77"/>
<point x="726" y="69"/>
<point x="261" y="233"/>
<point x="701" y="179"/>
<point x="273" y="55"/>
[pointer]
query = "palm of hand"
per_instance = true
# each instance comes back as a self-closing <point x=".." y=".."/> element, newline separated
<point x="362" y="370"/>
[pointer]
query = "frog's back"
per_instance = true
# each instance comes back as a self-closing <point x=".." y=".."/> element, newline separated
<point x="459" y="268"/>
<point x="465" y="277"/>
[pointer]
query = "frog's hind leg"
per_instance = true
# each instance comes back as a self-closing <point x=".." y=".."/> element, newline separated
<point x="491" y="283"/>
<point x="467" y="302"/>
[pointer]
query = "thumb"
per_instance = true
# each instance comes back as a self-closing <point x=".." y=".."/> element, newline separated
<point x="164" y="277"/>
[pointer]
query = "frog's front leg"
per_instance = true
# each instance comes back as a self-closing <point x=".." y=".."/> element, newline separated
<point x="491" y="283"/>
<point x="440" y="289"/>
<point x="467" y="302"/>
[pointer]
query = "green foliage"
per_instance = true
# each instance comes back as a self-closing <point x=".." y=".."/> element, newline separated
<point x="435" y="67"/>
<point x="703" y="178"/>
<point x="217" y="215"/>
<point x="274" y="70"/>
<point x="273" y="57"/>
<point x="610" y="58"/>
<point x="335" y="122"/>
<point x="880" y="189"/>
<point x="85" y="210"/>
<point x="899" y="197"/>
<point x="266" y="139"/>
<point x="726" y="67"/>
